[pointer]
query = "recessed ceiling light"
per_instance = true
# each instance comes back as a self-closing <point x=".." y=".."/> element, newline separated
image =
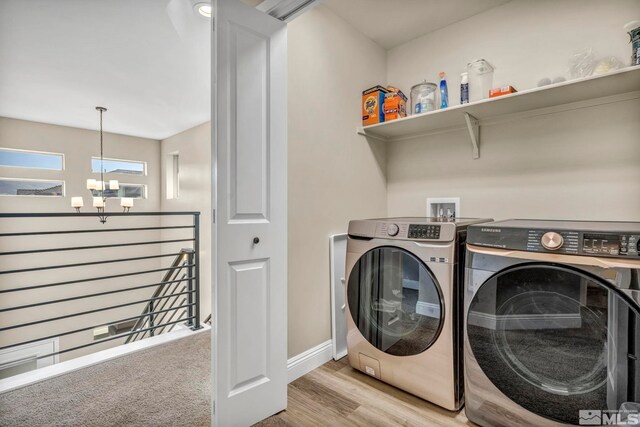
<point x="203" y="9"/>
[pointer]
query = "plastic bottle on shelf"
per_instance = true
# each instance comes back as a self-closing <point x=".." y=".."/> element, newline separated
<point x="444" y="93"/>
<point x="464" y="88"/>
<point x="633" y="29"/>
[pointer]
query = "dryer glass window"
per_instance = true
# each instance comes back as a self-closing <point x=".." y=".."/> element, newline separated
<point x="556" y="341"/>
<point x="395" y="301"/>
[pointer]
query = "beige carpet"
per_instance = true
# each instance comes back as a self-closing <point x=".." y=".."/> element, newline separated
<point x="167" y="385"/>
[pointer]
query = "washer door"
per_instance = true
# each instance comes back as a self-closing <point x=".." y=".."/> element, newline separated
<point x="556" y="341"/>
<point x="395" y="301"/>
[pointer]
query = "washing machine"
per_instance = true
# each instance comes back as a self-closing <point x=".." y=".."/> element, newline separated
<point x="404" y="305"/>
<point x="552" y="323"/>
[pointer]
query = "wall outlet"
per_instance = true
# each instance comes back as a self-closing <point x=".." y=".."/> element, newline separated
<point x="443" y="206"/>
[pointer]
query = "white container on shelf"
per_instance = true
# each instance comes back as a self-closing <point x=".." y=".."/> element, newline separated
<point x="423" y="97"/>
<point x="480" y="75"/>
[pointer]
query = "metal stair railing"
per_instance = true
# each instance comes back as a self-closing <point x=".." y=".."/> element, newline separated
<point x="175" y="299"/>
<point x="170" y="291"/>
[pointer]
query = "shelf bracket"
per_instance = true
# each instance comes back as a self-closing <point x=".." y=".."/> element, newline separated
<point x="360" y="131"/>
<point x="473" y="126"/>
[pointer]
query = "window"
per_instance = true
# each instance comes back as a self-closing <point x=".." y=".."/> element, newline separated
<point x="113" y="329"/>
<point x="31" y="187"/>
<point x="31" y="159"/>
<point x="27" y="357"/>
<point x="127" y="167"/>
<point x="136" y="191"/>
<point x="173" y="176"/>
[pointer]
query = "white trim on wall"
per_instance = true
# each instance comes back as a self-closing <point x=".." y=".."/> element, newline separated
<point x="28" y="378"/>
<point x="337" y="256"/>
<point x="297" y="366"/>
<point x="309" y="360"/>
<point x="428" y="309"/>
<point x="28" y="352"/>
<point x="525" y="322"/>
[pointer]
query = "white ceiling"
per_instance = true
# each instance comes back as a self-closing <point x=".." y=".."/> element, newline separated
<point x="252" y="3"/>
<point x="147" y="61"/>
<point x="393" y="22"/>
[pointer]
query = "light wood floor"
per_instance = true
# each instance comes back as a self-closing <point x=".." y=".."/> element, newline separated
<point x="337" y="395"/>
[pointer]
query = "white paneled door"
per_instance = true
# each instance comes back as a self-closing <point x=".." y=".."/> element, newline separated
<point x="249" y="343"/>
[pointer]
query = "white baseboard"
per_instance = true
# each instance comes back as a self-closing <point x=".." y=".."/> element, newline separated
<point x="428" y="309"/>
<point x="65" y="367"/>
<point x="525" y="322"/>
<point x="297" y="366"/>
<point x="309" y="360"/>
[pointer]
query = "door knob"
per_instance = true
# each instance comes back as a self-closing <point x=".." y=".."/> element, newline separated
<point x="256" y="240"/>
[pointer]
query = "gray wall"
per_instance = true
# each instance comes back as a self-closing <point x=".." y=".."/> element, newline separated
<point x="78" y="145"/>
<point x="194" y="148"/>
<point x="334" y="175"/>
<point x="575" y="164"/>
<point x="580" y="164"/>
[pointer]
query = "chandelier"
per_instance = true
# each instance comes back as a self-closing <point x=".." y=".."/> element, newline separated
<point x="98" y="188"/>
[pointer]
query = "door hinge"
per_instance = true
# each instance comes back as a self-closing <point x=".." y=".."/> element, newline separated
<point x="214" y="407"/>
<point x="214" y="216"/>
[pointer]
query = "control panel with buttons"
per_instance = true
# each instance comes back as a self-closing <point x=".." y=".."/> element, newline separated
<point x="424" y="231"/>
<point x="409" y="231"/>
<point x="611" y="244"/>
<point x="560" y="240"/>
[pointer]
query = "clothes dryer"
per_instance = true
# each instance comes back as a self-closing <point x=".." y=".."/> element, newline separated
<point x="404" y="306"/>
<point x="552" y="323"/>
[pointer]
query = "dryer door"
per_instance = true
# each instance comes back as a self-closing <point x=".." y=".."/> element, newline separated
<point x="395" y="301"/>
<point x="557" y="341"/>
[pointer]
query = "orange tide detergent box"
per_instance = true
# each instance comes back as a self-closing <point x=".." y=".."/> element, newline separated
<point x="504" y="90"/>
<point x="395" y="104"/>
<point x="372" y="105"/>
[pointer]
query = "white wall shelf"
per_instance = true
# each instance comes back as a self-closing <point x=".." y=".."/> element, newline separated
<point x="573" y="94"/>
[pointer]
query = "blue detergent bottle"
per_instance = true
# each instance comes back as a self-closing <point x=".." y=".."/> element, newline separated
<point x="444" y="93"/>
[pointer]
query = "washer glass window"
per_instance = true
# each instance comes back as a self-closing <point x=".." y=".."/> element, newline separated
<point x="395" y="301"/>
<point x="556" y="341"/>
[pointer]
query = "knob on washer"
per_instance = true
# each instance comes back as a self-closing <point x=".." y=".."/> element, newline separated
<point x="393" y="229"/>
<point x="552" y="241"/>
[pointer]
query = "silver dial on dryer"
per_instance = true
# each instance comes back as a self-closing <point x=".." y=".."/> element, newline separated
<point x="552" y="241"/>
<point x="393" y="229"/>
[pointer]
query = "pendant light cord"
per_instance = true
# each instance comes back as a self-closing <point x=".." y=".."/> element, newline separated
<point x="101" y="159"/>
<point x="102" y="183"/>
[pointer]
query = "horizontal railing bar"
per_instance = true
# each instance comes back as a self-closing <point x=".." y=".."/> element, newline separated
<point x="90" y="214"/>
<point x="82" y="313"/>
<point x="98" y="294"/>
<point x="61" y="334"/>
<point x="92" y="279"/>
<point x="77" y="248"/>
<point x="82" y="264"/>
<point x="95" y="230"/>
<point x="115" y="337"/>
